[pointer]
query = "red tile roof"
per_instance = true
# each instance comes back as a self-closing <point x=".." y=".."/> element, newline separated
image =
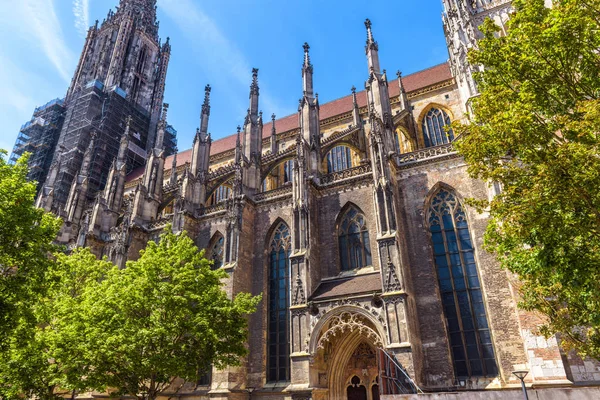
<point x="412" y="82"/>
<point x="368" y="283"/>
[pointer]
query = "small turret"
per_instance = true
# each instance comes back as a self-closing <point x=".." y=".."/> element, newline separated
<point x="274" y="144"/>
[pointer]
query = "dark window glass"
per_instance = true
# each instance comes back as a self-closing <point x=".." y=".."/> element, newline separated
<point x="216" y="250"/>
<point x="433" y="128"/>
<point x="354" y="247"/>
<point x="339" y="158"/>
<point x="278" y="346"/>
<point x="466" y="318"/>
<point x="204" y="377"/>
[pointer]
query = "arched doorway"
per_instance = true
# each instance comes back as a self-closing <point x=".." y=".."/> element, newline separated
<point x="345" y="363"/>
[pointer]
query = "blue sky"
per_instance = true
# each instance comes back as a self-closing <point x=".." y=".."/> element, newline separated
<point x="218" y="42"/>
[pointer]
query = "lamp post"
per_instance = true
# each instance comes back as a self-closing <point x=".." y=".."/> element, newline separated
<point x="521" y="375"/>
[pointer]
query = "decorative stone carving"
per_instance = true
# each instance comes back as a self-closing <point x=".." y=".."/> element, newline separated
<point x="348" y="322"/>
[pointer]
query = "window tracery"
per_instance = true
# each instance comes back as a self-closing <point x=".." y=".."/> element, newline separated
<point x="339" y="158"/>
<point x="281" y="175"/>
<point x="433" y="128"/>
<point x="278" y="342"/>
<point x="354" y="246"/>
<point x="220" y="194"/>
<point x="460" y="289"/>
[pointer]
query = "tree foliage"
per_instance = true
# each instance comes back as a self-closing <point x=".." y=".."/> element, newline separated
<point x="26" y="236"/>
<point x="536" y="131"/>
<point x="164" y="316"/>
<point x="48" y="353"/>
<point x="130" y="331"/>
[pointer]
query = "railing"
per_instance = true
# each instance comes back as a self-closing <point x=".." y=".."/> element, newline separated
<point x="275" y="193"/>
<point x="215" y="208"/>
<point x="159" y="223"/>
<point x="424" y="154"/>
<point x="394" y="378"/>
<point x="345" y="174"/>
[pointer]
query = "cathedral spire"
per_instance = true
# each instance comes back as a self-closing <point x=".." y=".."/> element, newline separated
<point x="403" y="96"/>
<point x="372" y="49"/>
<point x="307" y="73"/>
<point x="205" y="114"/>
<point x="273" y="135"/>
<point x="253" y="110"/>
<point x="238" y="147"/>
<point x="355" y="108"/>
<point x="173" y="177"/>
<point x="162" y="125"/>
<point x="124" y="145"/>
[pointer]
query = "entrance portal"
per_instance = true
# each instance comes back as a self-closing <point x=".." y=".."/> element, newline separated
<point x="345" y="361"/>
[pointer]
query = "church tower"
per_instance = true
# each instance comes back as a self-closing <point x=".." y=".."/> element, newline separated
<point x="119" y="82"/>
<point x="461" y="21"/>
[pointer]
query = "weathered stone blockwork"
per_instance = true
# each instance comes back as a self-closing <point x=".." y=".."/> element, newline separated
<point x="327" y="214"/>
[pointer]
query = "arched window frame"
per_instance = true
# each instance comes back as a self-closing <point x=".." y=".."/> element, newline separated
<point x="216" y="250"/>
<point x="459" y="283"/>
<point x="353" y="239"/>
<point x="278" y="328"/>
<point x="339" y="158"/>
<point x="220" y="194"/>
<point x="432" y="126"/>
<point x="280" y="175"/>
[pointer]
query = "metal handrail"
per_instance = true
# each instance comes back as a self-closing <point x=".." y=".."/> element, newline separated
<point x="393" y="377"/>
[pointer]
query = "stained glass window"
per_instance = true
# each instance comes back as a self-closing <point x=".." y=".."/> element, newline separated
<point x="216" y="250"/>
<point x="355" y="250"/>
<point x="458" y="279"/>
<point x="433" y="128"/>
<point x="278" y="343"/>
<point x="339" y="158"/>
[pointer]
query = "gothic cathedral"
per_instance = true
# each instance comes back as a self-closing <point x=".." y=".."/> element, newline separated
<point x="348" y="216"/>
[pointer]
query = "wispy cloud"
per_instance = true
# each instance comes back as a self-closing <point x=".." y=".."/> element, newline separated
<point x="36" y="23"/>
<point x="81" y="11"/>
<point x="34" y="60"/>
<point x="227" y="63"/>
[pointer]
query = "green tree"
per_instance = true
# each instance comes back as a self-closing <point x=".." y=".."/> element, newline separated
<point x="26" y="236"/>
<point x="536" y="131"/>
<point x="46" y="355"/>
<point x="163" y="316"/>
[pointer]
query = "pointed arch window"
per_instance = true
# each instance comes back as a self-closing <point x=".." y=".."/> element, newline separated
<point x="280" y="175"/>
<point x="339" y="158"/>
<point x="220" y="194"/>
<point x="216" y="250"/>
<point x="460" y="289"/>
<point x="353" y="236"/>
<point x="278" y="341"/>
<point x="433" y="128"/>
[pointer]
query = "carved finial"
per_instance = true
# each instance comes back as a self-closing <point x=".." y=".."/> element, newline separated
<point x="399" y="74"/>
<point x="273" y="117"/>
<point x="254" y="85"/>
<point x="353" y="89"/>
<point x="369" y="32"/>
<point x="206" y="104"/>
<point x="306" y="47"/>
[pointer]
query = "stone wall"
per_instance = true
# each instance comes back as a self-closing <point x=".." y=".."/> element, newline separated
<point x="516" y="394"/>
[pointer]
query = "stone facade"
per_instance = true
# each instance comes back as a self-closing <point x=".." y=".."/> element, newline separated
<point x="335" y="215"/>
